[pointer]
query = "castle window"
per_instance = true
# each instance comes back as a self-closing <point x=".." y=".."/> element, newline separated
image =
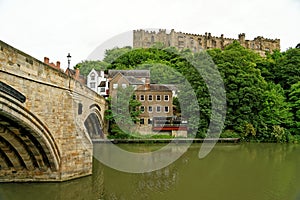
<point x="142" y="97"/>
<point x="152" y="39"/>
<point x="149" y="121"/>
<point x="142" y="109"/>
<point x="150" y="109"/>
<point x="150" y="97"/>
<point x="192" y="42"/>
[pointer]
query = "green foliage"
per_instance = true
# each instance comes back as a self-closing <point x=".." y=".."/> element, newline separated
<point x="279" y="134"/>
<point x="229" y="134"/>
<point x="262" y="93"/>
<point x="86" y="66"/>
<point x="294" y="99"/>
<point x="287" y="68"/>
<point x="122" y="112"/>
<point x="112" y="54"/>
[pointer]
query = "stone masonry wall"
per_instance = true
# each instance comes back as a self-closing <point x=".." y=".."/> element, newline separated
<point x="195" y="42"/>
<point x="55" y="99"/>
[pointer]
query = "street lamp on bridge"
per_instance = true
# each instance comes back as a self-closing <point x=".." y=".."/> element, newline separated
<point x="69" y="60"/>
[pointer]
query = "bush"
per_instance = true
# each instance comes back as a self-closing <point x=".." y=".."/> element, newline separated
<point x="229" y="134"/>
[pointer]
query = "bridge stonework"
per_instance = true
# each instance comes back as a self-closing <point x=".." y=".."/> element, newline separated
<point x="47" y="120"/>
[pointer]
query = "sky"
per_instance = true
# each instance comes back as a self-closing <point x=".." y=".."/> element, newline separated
<point x="55" y="28"/>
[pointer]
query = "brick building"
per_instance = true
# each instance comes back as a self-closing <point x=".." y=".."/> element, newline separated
<point x="156" y="102"/>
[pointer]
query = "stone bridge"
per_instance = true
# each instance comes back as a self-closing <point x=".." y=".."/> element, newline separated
<point x="47" y="121"/>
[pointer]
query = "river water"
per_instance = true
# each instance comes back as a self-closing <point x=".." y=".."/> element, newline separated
<point x="229" y="172"/>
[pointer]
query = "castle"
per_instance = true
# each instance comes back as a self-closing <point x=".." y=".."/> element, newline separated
<point x="195" y="42"/>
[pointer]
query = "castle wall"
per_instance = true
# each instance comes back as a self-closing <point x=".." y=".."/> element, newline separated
<point x="195" y="42"/>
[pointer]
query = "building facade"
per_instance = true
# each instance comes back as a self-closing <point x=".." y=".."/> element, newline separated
<point x="156" y="101"/>
<point x="97" y="81"/>
<point x="196" y="42"/>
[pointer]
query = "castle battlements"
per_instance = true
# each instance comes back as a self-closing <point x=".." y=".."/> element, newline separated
<point x="197" y="42"/>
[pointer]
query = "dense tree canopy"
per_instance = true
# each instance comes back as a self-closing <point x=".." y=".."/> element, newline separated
<point x="262" y="93"/>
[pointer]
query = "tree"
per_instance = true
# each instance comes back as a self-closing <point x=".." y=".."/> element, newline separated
<point x="122" y="112"/>
<point x="294" y="99"/>
<point x="276" y="116"/>
<point x="86" y="66"/>
<point x="287" y="68"/>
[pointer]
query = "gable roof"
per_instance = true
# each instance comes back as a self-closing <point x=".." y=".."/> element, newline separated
<point x="133" y="73"/>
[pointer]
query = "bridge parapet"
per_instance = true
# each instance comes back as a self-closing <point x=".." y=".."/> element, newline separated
<point x="47" y="120"/>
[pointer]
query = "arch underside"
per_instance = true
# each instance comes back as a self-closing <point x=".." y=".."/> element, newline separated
<point x="93" y="126"/>
<point x="21" y="152"/>
<point x="26" y="152"/>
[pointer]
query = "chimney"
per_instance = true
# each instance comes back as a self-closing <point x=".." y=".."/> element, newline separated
<point x="46" y="60"/>
<point x="147" y="84"/>
<point x="77" y="73"/>
<point x="58" y="65"/>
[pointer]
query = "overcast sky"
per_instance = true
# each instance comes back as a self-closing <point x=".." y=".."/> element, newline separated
<point x="55" y="28"/>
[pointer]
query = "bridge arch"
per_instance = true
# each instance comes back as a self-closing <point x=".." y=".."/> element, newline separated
<point x="94" y="123"/>
<point x="26" y="143"/>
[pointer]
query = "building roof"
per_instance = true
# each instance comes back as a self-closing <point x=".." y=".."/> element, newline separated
<point x="154" y="87"/>
<point x="134" y="73"/>
<point x="133" y="81"/>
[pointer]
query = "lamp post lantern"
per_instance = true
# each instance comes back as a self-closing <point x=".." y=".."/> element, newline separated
<point x="69" y="60"/>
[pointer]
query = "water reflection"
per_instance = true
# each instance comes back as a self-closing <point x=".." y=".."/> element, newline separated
<point x="90" y="187"/>
<point x="229" y="172"/>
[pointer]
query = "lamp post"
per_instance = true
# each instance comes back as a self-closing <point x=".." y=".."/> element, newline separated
<point x="69" y="60"/>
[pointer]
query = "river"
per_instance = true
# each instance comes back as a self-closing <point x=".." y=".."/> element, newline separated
<point x="229" y="172"/>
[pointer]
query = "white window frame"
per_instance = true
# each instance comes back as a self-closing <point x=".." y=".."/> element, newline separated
<point x="149" y="109"/>
<point x="142" y="109"/>
<point x="159" y="97"/>
<point x="165" y="97"/>
<point x="142" y="95"/>
<point x="167" y="108"/>
<point x="115" y="86"/>
<point x="158" y="111"/>
<point x="151" y="97"/>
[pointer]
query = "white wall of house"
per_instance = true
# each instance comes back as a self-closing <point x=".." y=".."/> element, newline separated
<point x="94" y="79"/>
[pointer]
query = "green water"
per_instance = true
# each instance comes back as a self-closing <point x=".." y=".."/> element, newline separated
<point x="229" y="172"/>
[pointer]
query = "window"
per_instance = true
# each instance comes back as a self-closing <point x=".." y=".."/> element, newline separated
<point x="134" y="97"/>
<point x="166" y="109"/>
<point x="93" y="76"/>
<point x="92" y="85"/>
<point x="150" y="97"/>
<point x="158" y="109"/>
<point x="152" y="39"/>
<point x="149" y="121"/>
<point x="166" y="97"/>
<point x="102" y="89"/>
<point x="142" y="109"/>
<point x="142" y="121"/>
<point x="150" y="109"/>
<point x="115" y="85"/>
<point x="157" y="97"/>
<point x="142" y="97"/>
<point x="124" y="85"/>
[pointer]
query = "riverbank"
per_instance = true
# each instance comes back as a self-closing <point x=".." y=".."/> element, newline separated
<point x="164" y="140"/>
